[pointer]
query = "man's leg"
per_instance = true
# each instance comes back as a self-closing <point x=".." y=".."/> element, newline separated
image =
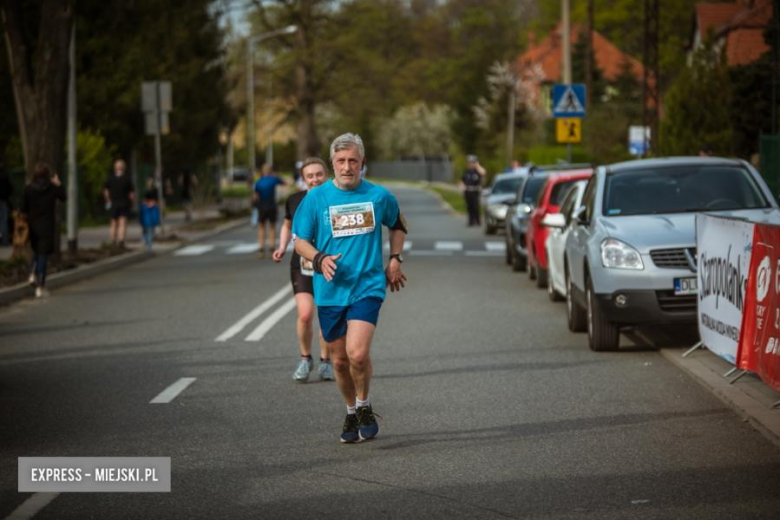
<point x="261" y="237"/>
<point x="122" y="221"/>
<point x="113" y="230"/>
<point x="272" y="236"/>
<point x="305" y="304"/>
<point x="358" y="349"/>
<point x="341" y="365"/>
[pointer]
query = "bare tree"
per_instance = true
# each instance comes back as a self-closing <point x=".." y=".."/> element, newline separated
<point x="39" y="72"/>
<point x="305" y="15"/>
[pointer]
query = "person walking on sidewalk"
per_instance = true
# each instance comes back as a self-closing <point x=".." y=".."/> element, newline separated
<point x="471" y="184"/>
<point x="6" y="189"/>
<point x="314" y="172"/>
<point x="264" y="199"/>
<point x="39" y="205"/>
<point x="344" y="219"/>
<point x="119" y="194"/>
<point x="149" y="213"/>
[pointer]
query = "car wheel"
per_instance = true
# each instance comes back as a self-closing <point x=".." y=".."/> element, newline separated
<point x="531" y="269"/>
<point x="489" y="230"/>
<point x="508" y="254"/>
<point x="541" y="278"/>
<point x="575" y="314"/>
<point x="551" y="292"/>
<point x="603" y="335"/>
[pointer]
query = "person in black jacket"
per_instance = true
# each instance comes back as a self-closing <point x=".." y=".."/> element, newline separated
<point x="39" y="204"/>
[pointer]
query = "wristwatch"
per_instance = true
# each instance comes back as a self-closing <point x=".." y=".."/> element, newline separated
<point x="398" y="257"/>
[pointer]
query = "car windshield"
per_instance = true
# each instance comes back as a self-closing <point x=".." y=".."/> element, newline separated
<point x="681" y="189"/>
<point x="506" y="185"/>
<point x="532" y="187"/>
<point x="559" y="191"/>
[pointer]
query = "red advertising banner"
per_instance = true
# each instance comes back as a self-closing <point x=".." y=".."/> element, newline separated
<point x="759" y="342"/>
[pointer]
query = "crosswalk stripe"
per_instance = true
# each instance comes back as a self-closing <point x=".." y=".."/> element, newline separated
<point x="194" y="250"/>
<point x="444" y="245"/>
<point x="170" y="393"/>
<point x="242" y="249"/>
<point x="495" y="246"/>
<point x="428" y="252"/>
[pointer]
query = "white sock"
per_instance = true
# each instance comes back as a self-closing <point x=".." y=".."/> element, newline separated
<point x="359" y="403"/>
<point x="351" y="410"/>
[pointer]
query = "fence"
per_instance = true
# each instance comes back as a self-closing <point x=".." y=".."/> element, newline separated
<point x="431" y="170"/>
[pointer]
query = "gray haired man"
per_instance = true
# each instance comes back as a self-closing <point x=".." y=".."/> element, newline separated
<point x="344" y="218"/>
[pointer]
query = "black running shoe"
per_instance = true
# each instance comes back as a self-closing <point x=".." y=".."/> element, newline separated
<point x="368" y="425"/>
<point x="349" y="433"/>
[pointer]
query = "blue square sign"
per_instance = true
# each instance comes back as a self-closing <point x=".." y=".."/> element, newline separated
<point x="568" y="100"/>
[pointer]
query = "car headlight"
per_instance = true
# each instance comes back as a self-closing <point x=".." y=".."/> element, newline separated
<point x="619" y="255"/>
<point x="522" y="210"/>
<point x="498" y="210"/>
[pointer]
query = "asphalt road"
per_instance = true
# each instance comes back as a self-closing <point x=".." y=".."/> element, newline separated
<point x="489" y="407"/>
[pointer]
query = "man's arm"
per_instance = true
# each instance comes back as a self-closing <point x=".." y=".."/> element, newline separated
<point x="325" y="264"/>
<point x="284" y="239"/>
<point x="396" y="279"/>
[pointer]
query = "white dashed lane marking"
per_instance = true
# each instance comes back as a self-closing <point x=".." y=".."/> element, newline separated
<point x="194" y="250"/>
<point x="170" y="393"/>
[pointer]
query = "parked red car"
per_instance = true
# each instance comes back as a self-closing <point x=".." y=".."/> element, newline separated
<point x="548" y="202"/>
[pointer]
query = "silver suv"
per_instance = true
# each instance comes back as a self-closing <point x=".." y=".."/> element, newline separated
<point x="630" y="257"/>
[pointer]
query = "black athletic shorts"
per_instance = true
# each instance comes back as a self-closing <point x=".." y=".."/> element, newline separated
<point x="119" y="211"/>
<point x="301" y="283"/>
<point x="267" y="214"/>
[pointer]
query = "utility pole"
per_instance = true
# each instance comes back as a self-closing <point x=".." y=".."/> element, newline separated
<point x="73" y="187"/>
<point x="566" y="28"/>
<point x="250" y="106"/>
<point x="566" y="39"/>
<point x="510" y="131"/>
<point x="651" y="87"/>
<point x="250" y="88"/>
<point x="589" y="53"/>
<point x="269" y="149"/>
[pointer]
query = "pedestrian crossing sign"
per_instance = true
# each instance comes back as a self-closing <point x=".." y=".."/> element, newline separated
<point x="568" y="100"/>
<point x="568" y="130"/>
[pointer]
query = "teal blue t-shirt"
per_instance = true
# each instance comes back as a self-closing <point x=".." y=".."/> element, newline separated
<point x="347" y="222"/>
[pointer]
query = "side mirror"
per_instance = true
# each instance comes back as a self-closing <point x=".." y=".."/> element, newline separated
<point x="554" y="220"/>
<point x="579" y="216"/>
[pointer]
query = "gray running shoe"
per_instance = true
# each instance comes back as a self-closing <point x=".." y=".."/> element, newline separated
<point x="325" y="371"/>
<point x="302" y="372"/>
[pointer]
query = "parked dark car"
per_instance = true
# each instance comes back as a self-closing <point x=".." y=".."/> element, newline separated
<point x="516" y="222"/>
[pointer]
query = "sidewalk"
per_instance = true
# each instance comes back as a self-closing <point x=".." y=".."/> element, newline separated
<point x="748" y="396"/>
<point x="178" y="231"/>
<point x="95" y="237"/>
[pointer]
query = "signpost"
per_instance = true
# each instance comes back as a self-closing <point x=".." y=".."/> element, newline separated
<point x="568" y="107"/>
<point x="638" y="138"/>
<point x="156" y="103"/>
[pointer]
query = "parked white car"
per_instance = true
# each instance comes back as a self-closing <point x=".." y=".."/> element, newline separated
<point x="560" y="224"/>
<point x="631" y="253"/>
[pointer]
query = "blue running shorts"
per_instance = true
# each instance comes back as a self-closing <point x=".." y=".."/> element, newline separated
<point x="334" y="318"/>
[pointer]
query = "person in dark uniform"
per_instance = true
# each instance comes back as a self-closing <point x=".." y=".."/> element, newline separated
<point x="314" y="172"/>
<point x="187" y="181"/>
<point x="264" y="200"/>
<point x="470" y="185"/>
<point x="39" y="205"/>
<point x="119" y="194"/>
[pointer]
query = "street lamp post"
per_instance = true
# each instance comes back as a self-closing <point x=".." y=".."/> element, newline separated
<point x="250" y="88"/>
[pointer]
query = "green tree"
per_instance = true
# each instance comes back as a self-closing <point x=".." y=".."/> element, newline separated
<point x="37" y="36"/>
<point x="119" y="48"/>
<point x="697" y="107"/>
<point x="416" y="131"/>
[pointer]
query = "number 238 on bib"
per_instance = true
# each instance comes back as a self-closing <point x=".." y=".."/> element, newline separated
<point x="352" y="219"/>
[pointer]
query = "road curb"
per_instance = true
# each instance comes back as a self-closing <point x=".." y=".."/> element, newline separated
<point x="24" y="290"/>
<point x="747" y="405"/>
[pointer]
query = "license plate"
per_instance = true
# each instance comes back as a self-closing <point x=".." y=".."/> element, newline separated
<point x="683" y="286"/>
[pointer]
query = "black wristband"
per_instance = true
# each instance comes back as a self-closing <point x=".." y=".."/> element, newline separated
<point x="317" y="262"/>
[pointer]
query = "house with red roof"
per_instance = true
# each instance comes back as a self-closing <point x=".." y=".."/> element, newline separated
<point x="543" y="60"/>
<point x="738" y="29"/>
